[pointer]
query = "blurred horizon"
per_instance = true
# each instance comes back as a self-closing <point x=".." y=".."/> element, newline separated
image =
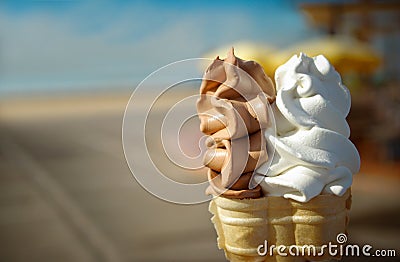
<point x="52" y="46"/>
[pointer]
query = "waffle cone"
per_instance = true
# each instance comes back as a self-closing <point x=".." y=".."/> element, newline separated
<point x="243" y="225"/>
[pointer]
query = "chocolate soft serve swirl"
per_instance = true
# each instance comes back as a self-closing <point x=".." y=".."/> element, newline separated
<point x="233" y="112"/>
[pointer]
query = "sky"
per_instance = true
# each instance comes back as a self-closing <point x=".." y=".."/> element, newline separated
<point x="47" y="46"/>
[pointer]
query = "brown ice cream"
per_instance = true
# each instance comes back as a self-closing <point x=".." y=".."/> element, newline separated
<point x="232" y="111"/>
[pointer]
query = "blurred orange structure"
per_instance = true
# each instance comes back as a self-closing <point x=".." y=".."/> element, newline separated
<point x="329" y="15"/>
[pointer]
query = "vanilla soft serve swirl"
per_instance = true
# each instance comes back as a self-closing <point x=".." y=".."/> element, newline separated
<point x="313" y="152"/>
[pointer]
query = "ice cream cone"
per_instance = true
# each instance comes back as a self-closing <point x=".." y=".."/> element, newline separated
<point x="243" y="225"/>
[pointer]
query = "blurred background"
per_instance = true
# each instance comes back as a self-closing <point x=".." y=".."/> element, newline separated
<point x="67" y="70"/>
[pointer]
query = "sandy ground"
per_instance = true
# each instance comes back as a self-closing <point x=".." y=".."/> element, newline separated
<point x="66" y="193"/>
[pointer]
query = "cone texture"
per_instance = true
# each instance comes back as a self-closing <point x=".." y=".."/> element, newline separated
<point x="244" y="224"/>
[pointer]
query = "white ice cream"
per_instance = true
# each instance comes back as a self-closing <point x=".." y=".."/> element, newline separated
<point x="313" y="153"/>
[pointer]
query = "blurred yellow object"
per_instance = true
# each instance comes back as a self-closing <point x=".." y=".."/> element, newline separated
<point x="261" y="53"/>
<point x="346" y="54"/>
